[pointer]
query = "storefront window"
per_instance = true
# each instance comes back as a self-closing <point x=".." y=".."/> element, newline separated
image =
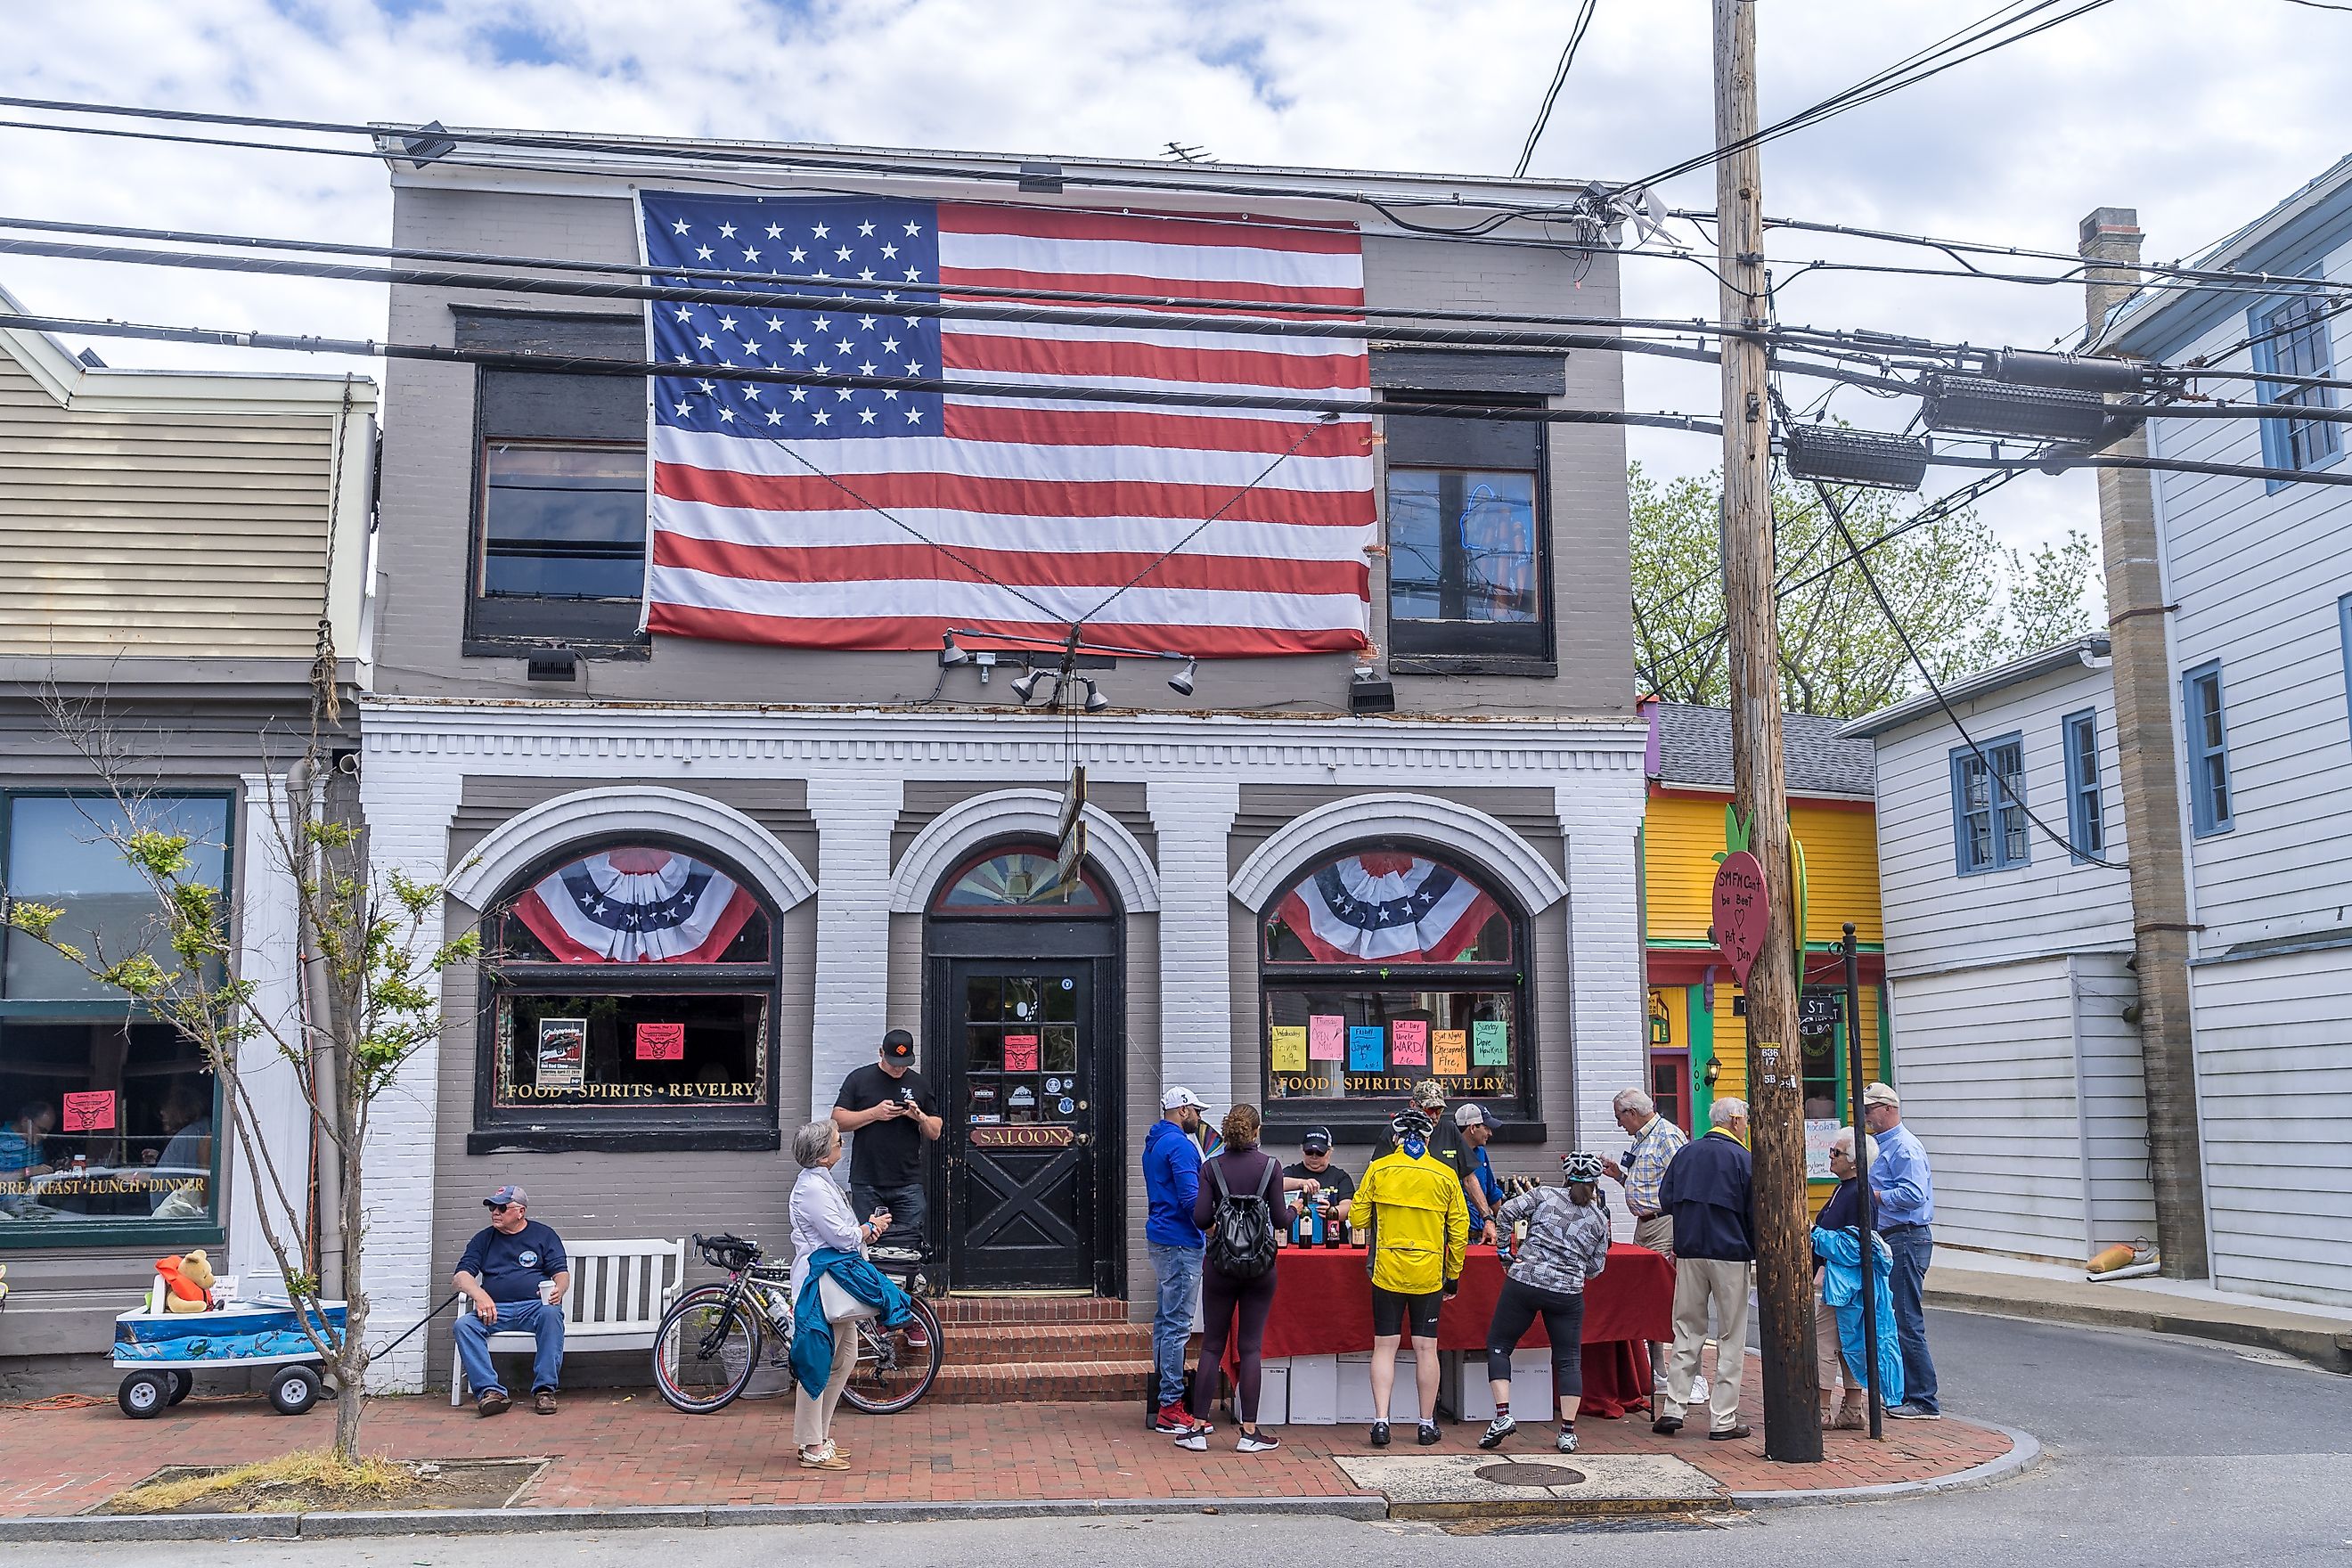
<point x="105" y="1116"/>
<point x="1384" y="966"/>
<point x="631" y="990"/>
<point x="1819" y="1013"/>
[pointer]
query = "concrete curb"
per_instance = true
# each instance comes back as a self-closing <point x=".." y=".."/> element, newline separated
<point x="2024" y="1453"/>
<point x="2327" y="1350"/>
<point x="518" y="1520"/>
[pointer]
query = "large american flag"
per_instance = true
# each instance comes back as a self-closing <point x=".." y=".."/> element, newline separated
<point x="1048" y="507"/>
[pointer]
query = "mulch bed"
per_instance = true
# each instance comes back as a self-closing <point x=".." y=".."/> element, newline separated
<point x="440" y="1484"/>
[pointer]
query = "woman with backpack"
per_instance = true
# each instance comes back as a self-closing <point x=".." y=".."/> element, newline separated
<point x="1241" y="1193"/>
<point x="1566" y="1244"/>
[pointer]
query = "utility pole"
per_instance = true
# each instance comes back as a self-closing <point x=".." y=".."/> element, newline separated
<point x="1784" y="1275"/>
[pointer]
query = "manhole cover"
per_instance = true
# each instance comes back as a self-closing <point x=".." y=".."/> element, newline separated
<point x="1511" y="1474"/>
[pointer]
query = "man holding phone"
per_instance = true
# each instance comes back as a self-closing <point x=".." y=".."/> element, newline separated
<point x="890" y="1107"/>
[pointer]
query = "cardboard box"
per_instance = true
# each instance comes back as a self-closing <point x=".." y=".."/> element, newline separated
<point x="1531" y="1391"/>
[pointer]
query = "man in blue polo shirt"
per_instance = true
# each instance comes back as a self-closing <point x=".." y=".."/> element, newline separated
<point x="513" y="1276"/>
<point x="1904" y="1191"/>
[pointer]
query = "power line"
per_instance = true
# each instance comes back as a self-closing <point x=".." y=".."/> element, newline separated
<point x="1558" y="78"/>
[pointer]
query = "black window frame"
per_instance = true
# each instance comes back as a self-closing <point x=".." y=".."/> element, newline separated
<point x="511" y="625"/>
<point x="1425" y="443"/>
<point x="212" y="1230"/>
<point x="1366" y="1120"/>
<point x="622" y="1127"/>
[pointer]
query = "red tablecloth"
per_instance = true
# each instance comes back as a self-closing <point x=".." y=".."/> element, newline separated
<point x="1323" y="1306"/>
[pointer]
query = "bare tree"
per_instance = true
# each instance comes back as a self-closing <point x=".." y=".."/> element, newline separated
<point x="370" y="953"/>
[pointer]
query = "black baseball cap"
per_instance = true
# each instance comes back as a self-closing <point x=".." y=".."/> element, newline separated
<point x="898" y="1045"/>
<point x="1317" y="1142"/>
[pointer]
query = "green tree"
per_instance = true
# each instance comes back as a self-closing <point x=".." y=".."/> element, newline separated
<point x="371" y="950"/>
<point x="1966" y="602"/>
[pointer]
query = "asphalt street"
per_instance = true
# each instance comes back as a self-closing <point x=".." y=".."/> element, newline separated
<point x="2155" y="1451"/>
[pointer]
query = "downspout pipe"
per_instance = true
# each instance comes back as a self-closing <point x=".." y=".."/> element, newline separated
<point x="303" y="792"/>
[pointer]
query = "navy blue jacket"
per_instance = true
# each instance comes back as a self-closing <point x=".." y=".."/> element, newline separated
<point x="1709" y="1190"/>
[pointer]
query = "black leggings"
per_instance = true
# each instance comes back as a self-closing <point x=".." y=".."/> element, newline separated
<point x="1221" y="1297"/>
<point x="1563" y="1316"/>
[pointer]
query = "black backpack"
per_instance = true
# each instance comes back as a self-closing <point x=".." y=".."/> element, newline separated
<point x="1241" y="1232"/>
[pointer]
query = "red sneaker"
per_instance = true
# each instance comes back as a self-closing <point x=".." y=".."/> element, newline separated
<point x="1176" y="1422"/>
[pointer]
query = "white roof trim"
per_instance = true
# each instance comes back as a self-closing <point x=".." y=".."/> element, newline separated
<point x="950" y="836"/>
<point x="1327" y="829"/>
<point x="71" y="383"/>
<point x="522" y="841"/>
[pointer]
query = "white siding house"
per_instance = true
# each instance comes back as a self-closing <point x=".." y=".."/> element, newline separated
<point x="2006" y="958"/>
<point x="2021" y="1069"/>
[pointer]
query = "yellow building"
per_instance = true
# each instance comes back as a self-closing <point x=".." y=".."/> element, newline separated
<point x="1698" y="1029"/>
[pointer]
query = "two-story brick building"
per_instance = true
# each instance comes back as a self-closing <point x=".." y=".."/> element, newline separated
<point x="1293" y="893"/>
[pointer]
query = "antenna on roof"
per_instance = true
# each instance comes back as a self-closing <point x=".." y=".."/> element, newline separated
<point x="1184" y="154"/>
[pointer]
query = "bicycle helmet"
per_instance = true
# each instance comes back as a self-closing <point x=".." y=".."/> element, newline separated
<point x="1410" y="1124"/>
<point x="1581" y="1166"/>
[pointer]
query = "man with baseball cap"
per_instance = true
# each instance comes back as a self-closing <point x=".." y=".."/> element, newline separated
<point x="514" y="1275"/>
<point x="890" y="1107"/>
<point x="1904" y="1191"/>
<point x="1339" y="1188"/>
<point x="1480" y="1185"/>
<point x="1171" y="1181"/>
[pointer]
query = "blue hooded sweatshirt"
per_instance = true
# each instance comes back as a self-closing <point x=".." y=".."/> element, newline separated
<point x="1171" y="1176"/>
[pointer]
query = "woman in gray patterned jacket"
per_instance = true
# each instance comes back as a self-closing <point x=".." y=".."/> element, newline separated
<point x="1568" y="1244"/>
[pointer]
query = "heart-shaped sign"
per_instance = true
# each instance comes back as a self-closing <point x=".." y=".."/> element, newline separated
<point x="1741" y="915"/>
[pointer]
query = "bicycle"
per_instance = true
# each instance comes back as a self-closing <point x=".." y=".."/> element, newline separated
<point x="712" y="1338"/>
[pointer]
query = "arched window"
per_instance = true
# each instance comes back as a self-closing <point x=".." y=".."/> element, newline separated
<point x="1019" y="881"/>
<point x="1384" y="965"/>
<point x="629" y="991"/>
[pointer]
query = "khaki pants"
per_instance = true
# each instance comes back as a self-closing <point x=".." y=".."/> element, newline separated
<point x="1701" y="1283"/>
<point x="1656" y="1232"/>
<point x="812" y="1413"/>
<point x="1830" y="1361"/>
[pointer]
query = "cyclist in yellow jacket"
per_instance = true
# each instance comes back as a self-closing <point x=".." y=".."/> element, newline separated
<point x="1419" y="1223"/>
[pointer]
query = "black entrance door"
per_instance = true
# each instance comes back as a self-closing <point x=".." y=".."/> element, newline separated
<point x="1027" y="1096"/>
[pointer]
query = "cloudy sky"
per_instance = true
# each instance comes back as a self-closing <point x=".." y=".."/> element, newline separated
<point x="2201" y="114"/>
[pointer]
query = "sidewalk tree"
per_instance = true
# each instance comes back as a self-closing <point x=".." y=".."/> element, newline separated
<point x="371" y="950"/>
<point x="1967" y="602"/>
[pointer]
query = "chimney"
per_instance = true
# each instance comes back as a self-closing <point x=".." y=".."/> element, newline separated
<point x="2109" y="234"/>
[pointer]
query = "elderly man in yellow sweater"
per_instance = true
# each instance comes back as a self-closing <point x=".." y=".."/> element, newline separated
<point x="1418" y="1223"/>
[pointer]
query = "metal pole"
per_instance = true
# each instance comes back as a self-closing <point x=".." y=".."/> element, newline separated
<point x="1864" y="1208"/>
<point x="1784" y="1254"/>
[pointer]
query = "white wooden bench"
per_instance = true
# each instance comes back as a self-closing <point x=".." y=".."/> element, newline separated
<point x="619" y="1291"/>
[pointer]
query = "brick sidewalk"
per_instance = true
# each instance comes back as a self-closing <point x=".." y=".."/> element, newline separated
<point x="612" y="1449"/>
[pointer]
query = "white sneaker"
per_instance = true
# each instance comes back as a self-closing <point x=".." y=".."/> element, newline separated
<point x="1257" y="1443"/>
<point x="1500" y="1427"/>
<point x="1698" y="1391"/>
<point x="1196" y="1440"/>
<point x="1567" y="1439"/>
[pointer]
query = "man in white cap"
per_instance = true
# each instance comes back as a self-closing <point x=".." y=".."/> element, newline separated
<point x="1171" y="1181"/>
<point x="1903" y="1191"/>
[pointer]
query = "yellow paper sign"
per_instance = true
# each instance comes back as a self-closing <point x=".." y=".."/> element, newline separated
<point x="1288" y="1048"/>
<point x="1453" y="1050"/>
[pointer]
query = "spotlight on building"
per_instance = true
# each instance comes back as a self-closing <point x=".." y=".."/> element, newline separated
<point x="1367" y="693"/>
<point x="1095" y="702"/>
<point x="1982" y="406"/>
<point x="1180" y="683"/>
<point x="1840" y="457"/>
<point x="1026" y="687"/>
<point x="950" y="654"/>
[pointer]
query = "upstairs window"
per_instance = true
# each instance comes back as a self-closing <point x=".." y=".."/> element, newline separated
<point x="2211" y="806"/>
<point x="2291" y="340"/>
<point x="560" y="489"/>
<point x="1469" y="586"/>
<point x="1989" y="827"/>
<point x="2085" y="822"/>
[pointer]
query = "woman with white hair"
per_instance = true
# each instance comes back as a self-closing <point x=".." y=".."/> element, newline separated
<point x="1842" y="1212"/>
<point x="821" y="1220"/>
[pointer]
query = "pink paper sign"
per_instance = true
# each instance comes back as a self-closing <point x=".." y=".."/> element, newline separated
<point x="661" y="1042"/>
<point x="1741" y="914"/>
<point x="1327" y="1037"/>
<point x="1409" y="1042"/>
<point x="91" y="1110"/>
<point x="1020" y="1053"/>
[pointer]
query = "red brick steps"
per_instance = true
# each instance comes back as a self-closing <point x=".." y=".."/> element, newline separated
<point x="1074" y="1349"/>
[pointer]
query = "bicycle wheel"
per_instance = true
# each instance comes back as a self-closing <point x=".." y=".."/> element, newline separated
<point x="895" y="1367"/>
<point x="705" y="1351"/>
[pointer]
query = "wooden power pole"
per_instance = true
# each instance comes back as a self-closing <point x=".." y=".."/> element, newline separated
<point x="1792" y="1430"/>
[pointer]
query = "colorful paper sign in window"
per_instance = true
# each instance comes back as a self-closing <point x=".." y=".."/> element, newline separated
<point x="1287" y="1046"/>
<point x="661" y="1042"/>
<point x="1020" y="1053"/>
<point x="1490" y="1042"/>
<point x="1453" y="1049"/>
<point x="1326" y="1037"/>
<point x="90" y="1111"/>
<point x="1367" y="1048"/>
<point x="1409" y="1042"/>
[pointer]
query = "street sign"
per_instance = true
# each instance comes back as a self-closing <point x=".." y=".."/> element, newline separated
<point x="1741" y="915"/>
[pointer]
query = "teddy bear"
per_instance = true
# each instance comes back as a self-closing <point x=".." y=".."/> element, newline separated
<point x="187" y="1281"/>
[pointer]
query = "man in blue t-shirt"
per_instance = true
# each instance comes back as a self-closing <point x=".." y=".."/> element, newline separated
<point x="514" y="1276"/>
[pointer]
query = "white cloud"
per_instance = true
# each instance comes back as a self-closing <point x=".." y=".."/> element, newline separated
<point x="2200" y="115"/>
